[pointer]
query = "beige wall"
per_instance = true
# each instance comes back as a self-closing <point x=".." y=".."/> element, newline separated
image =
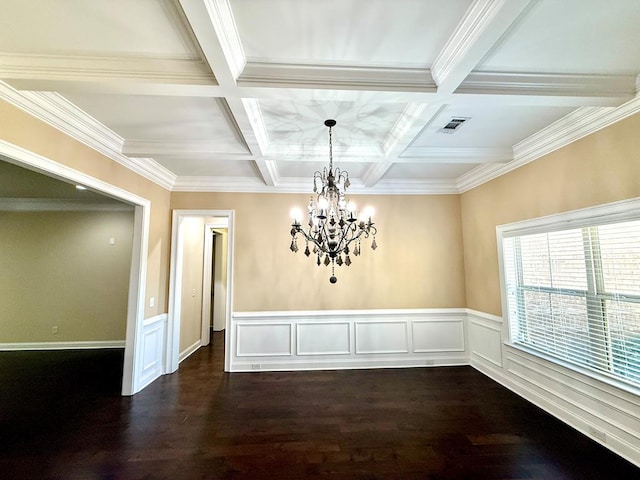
<point x="192" y="272"/>
<point x="418" y="263"/>
<point x="19" y="128"/>
<point x="600" y="168"/>
<point x="58" y="269"/>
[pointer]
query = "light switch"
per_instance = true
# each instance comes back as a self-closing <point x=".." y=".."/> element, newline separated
<point x="112" y="240"/>
<point x="152" y="301"/>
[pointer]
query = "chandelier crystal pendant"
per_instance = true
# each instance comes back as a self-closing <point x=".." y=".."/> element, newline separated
<point x="333" y="227"/>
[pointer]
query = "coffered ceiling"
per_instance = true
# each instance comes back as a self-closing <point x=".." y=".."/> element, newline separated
<point x="231" y="95"/>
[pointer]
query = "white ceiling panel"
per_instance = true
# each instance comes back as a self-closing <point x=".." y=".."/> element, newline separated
<point x="165" y="119"/>
<point x="207" y="166"/>
<point x="302" y="123"/>
<point x="426" y="171"/>
<point x="114" y="28"/>
<point x="402" y="33"/>
<point x="571" y="36"/>
<point x="488" y="126"/>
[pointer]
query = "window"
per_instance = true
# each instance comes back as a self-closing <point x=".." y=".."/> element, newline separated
<point x="571" y="288"/>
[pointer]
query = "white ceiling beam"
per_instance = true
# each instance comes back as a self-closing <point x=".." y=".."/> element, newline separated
<point x="484" y="23"/>
<point x="247" y="116"/>
<point x="185" y="70"/>
<point x="479" y="88"/>
<point x="618" y="87"/>
<point x="337" y="77"/>
<point x="414" y="118"/>
<point x="214" y="27"/>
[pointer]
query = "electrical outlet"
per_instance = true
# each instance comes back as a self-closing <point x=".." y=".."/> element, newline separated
<point x="255" y="366"/>
<point x="54" y="329"/>
<point x="112" y="240"/>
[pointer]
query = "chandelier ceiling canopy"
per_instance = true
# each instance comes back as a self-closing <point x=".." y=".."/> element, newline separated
<point x="334" y="227"/>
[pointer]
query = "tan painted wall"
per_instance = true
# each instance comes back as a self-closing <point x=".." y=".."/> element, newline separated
<point x="59" y="269"/>
<point x="19" y="128"/>
<point x="192" y="269"/>
<point x="600" y="168"/>
<point x="418" y="264"/>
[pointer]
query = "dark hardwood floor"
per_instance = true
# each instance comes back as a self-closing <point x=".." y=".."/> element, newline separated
<point x="61" y="417"/>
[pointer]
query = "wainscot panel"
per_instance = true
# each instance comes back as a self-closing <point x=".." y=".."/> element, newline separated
<point x="154" y="331"/>
<point x="313" y="340"/>
<point x="485" y="338"/>
<point x="323" y="339"/>
<point x="605" y="412"/>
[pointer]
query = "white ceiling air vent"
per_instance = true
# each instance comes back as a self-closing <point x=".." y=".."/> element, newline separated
<point x="454" y="124"/>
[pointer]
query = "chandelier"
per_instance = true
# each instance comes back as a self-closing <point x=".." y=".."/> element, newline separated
<point x="333" y="227"/>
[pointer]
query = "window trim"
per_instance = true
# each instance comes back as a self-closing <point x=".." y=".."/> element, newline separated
<point x="615" y="212"/>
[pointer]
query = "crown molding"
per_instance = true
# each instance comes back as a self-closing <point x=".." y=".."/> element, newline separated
<point x="59" y="205"/>
<point x="151" y="170"/>
<point x="477" y="176"/>
<point x="58" y="112"/>
<point x="574" y="126"/>
<point x="259" y="74"/>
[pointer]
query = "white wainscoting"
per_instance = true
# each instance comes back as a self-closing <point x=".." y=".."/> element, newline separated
<point x="154" y="331"/>
<point x="313" y="340"/>
<point x="608" y="414"/>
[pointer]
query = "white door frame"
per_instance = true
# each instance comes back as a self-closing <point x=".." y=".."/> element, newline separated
<point x="175" y="284"/>
<point x="138" y="274"/>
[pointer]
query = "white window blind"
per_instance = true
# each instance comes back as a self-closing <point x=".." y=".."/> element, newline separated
<point x="574" y="294"/>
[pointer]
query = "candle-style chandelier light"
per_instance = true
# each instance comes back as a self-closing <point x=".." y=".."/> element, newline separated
<point x="334" y="227"/>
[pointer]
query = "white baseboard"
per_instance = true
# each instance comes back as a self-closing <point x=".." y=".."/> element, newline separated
<point x="188" y="351"/>
<point x="275" y="366"/>
<point x="61" y="345"/>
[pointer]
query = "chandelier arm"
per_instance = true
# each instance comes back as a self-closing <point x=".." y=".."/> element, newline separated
<point x="349" y="235"/>
<point x="332" y="226"/>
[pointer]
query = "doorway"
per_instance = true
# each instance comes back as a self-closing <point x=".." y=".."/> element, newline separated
<point x="133" y="355"/>
<point x="214" y="222"/>
<point x="215" y="278"/>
